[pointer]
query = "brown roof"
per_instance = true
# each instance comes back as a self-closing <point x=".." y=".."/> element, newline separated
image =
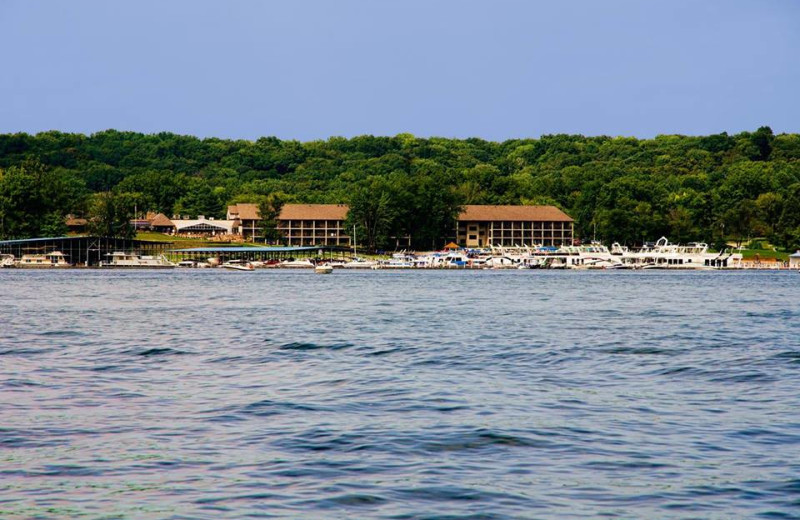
<point x="314" y="212"/>
<point x="161" y="220"/>
<point x="513" y="213"/>
<point x="245" y="211"/>
<point x="75" y="221"/>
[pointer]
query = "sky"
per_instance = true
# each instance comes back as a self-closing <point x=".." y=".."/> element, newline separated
<point x="312" y="69"/>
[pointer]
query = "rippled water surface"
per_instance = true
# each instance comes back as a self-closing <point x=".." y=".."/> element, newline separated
<point x="284" y="394"/>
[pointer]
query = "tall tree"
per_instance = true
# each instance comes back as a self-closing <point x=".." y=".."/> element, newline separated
<point x="34" y="200"/>
<point x="372" y="212"/>
<point x="269" y="209"/>
<point x="110" y="214"/>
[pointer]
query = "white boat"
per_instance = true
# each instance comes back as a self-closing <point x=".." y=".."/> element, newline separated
<point x="54" y="259"/>
<point x="304" y="264"/>
<point x="359" y="263"/>
<point x="695" y="256"/>
<point x="398" y="261"/>
<point x="323" y="269"/>
<point x="500" y="262"/>
<point x="121" y="260"/>
<point x="7" y="261"/>
<point x="238" y="265"/>
<point x="193" y="264"/>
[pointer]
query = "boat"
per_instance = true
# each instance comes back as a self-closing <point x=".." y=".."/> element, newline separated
<point x="7" y="261"/>
<point x="121" y="260"/>
<point x="398" y="261"/>
<point x="359" y="263"/>
<point x="304" y="264"/>
<point x="193" y="264"/>
<point x="695" y="256"/>
<point x="55" y="259"/>
<point x="238" y="265"/>
<point x="500" y="262"/>
<point x="323" y="269"/>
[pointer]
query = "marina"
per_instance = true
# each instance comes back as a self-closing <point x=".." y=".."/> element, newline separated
<point x="41" y="253"/>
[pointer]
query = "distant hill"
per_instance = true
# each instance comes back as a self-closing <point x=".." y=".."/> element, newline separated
<point x="622" y="189"/>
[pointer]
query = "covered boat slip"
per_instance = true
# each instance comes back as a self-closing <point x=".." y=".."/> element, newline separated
<point x="257" y="253"/>
<point x="86" y="251"/>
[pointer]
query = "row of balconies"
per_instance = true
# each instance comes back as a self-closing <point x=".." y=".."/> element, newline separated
<point x="310" y="224"/>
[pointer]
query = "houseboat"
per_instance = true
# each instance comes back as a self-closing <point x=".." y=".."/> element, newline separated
<point x="695" y="255"/>
<point x="122" y="260"/>
<point x="50" y="260"/>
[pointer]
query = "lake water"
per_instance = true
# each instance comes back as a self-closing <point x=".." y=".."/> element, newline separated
<point x="209" y="394"/>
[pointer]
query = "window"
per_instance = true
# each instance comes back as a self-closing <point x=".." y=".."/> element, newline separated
<point x="473" y="237"/>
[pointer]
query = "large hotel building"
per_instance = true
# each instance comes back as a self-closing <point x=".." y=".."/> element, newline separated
<point x="481" y="226"/>
<point x="314" y="225"/>
<point x="476" y="226"/>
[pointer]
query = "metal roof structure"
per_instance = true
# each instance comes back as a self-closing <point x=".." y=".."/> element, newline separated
<point x="81" y="250"/>
<point x="81" y="237"/>
<point x="249" y="249"/>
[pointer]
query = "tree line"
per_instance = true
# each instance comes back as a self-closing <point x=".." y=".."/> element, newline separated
<point x="690" y="188"/>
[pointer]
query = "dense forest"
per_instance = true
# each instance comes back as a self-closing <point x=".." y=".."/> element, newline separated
<point x="710" y="188"/>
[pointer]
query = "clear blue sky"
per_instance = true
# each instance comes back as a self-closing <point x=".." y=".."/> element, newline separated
<point x="311" y="69"/>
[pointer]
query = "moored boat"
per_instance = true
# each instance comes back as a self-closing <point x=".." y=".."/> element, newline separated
<point x="50" y="260"/>
<point x="238" y="265"/>
<point x="359" y="263"/>
<point x="121" y="260"/>
<point x="303" y="264"/>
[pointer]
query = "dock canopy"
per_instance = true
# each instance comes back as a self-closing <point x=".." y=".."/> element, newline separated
<point x="254" y="252"/>
<point x="81" y="250"/>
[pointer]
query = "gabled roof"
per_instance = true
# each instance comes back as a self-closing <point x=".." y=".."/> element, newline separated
<point x="161" y="220"/>
<point x="76" y="221"/>
<point x="795" y="255"/>
<point x="244" y="211"/>
<point x="513" y="213"/>
<point x="314" y="212"/>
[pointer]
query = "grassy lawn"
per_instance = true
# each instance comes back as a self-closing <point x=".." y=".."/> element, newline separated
<point x="764" y="254"/>
<point x="184" y="242"/>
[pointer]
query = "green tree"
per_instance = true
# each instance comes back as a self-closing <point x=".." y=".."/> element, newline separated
<point x="372" y="212"/>
<point x="269" y="209"/>
<point x="110" y="214"/>
<point x="199" y="199"/>
<point x="34" y="200"/>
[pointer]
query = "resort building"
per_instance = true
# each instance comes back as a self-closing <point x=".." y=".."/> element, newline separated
<point x="794" y="260"/>
<point x="249" y="219"/>
<point x="162" y="224"/>
<point x="314" y="224"/>
<point x="482" y="226"/>
<point x="202" y="226"/>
